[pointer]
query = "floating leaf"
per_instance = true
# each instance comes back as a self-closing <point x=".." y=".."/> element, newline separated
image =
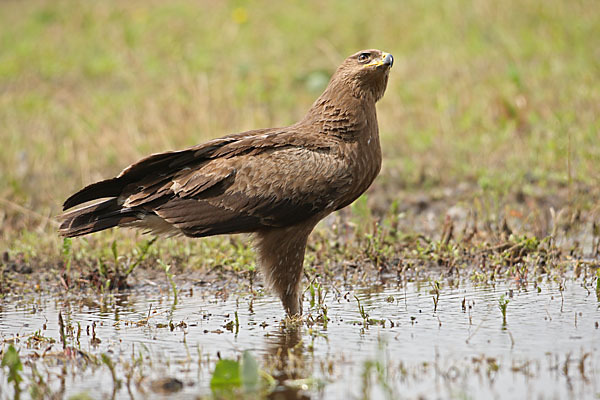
<point x="226" y="375"/>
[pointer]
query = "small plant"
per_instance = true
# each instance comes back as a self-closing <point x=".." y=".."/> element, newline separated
<point x="61" y="326"/>
<point x="361" y="309"/>
<point x="377" y="371"/>
<point x="324" y="316"/>
<point x="38" y="388"/>
<point x="316" y="294"/>
<point x="234" y="325"/>
<point x="435" y="291"/>
<point x="142" y="251"/>
<point x="237" y="323"/>
<point x="364" y="314"/>
<point x="116" y="381"/>
<point x="116" y="277"/>
<point x="170" y="277"/>
<point x="502" y="305"/>
<point x="11" y="360"/>
<point x="317" y="302"/>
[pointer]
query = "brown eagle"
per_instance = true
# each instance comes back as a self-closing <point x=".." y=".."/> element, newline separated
<point x="276" y="183"/>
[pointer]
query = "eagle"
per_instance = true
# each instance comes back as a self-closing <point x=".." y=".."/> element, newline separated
<point x="274" y="183"/>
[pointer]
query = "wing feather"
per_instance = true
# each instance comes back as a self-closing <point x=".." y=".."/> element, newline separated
<point x="242" y="183"/>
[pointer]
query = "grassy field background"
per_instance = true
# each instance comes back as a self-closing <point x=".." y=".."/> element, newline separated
<point x="498" y="96"/>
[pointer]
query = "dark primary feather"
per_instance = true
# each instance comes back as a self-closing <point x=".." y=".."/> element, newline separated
<point x="96" y="217"/>
<point x="113" y="187"/>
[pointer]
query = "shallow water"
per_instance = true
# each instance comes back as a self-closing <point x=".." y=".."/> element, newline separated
<point x="549" y="347"/>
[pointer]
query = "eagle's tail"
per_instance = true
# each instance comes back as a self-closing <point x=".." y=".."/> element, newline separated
<point x="96" y="217"/>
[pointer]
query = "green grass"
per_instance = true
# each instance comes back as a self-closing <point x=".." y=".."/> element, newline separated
<point x="503" y="95"/>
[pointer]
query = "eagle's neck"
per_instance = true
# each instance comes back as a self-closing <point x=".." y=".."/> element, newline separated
<point x="340" y="112"/>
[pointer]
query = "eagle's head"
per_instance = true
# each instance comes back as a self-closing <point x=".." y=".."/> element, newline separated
<point x="366" y="73"/>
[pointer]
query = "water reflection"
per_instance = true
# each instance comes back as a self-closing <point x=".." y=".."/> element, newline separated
<point x="285" y="355"/>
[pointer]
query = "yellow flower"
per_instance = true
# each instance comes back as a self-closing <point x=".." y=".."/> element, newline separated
<point x="239" y="15"/>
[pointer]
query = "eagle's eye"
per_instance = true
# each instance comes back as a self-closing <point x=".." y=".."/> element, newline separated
<point x="363" y="57"/>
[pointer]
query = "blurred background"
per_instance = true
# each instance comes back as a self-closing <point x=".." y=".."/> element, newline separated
<point x="491" y="97"/>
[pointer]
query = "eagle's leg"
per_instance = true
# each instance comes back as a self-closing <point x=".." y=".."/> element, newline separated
<point x="281" y="257"/>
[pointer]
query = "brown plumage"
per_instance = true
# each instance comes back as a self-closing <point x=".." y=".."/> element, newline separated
<point x="276" y="183"/>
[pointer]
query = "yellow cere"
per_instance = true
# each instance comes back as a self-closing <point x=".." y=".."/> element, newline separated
<point x="378" y="62"/>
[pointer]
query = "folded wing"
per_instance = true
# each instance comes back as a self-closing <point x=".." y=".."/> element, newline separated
<point x="242" y="183"/>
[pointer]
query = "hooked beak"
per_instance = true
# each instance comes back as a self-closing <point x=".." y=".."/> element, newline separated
<point x="386" y="59"/>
